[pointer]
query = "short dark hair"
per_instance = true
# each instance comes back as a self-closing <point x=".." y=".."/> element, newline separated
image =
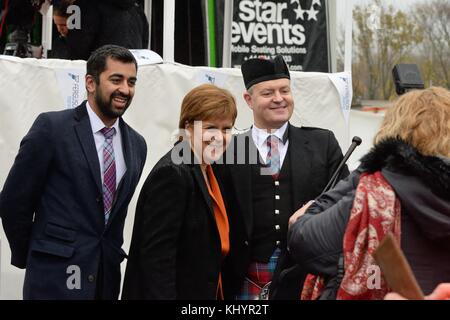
<point x="96" y="63"/>
<point x="60" y="8"/>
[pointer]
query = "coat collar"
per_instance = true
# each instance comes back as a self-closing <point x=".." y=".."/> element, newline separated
<point x="245" y="157"/>
<point x="300" y="155"/>
<point x="399" y="156"/>
<point x="122" y="193"/>
<point x="188" y="158"/>
<point x="84" y="132"/>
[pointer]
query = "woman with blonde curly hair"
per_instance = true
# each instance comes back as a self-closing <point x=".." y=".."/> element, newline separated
<point x="401" y="187"/>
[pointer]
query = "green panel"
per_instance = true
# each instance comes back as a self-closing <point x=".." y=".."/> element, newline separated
<point x="212" y="32"/>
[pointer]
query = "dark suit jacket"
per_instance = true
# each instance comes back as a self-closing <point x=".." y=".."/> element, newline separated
<point x="175" y="251"/>
<point x="314" y="155"/>
<point x="52" y="209"/>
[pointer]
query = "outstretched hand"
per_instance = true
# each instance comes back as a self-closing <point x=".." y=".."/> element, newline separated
<point x="442" y="292"/>
<point x="299" y="213"/>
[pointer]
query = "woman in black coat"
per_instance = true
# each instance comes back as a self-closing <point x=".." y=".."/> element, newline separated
<point x="181" y="232"/>
<point x="412" y="156"/>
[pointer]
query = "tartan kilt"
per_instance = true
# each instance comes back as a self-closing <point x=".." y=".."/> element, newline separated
<point x="258" y="276"/>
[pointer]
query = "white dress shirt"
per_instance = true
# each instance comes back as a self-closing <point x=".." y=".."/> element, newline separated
<point x="97" y="125"/>
<point x="260" y="139"/>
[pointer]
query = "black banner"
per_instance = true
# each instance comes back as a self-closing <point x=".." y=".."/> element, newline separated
<point x="296" y="29"/>
<point x="190" y="36"/>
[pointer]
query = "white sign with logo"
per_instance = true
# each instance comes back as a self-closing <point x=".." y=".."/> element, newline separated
<point x="72" y="87"/>
<point x="215" y="78"/>
<point x="343" y="83"/>
<point x="145" y="56"/>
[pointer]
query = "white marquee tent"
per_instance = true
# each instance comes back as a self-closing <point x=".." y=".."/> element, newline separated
<point x="29" y="87"/>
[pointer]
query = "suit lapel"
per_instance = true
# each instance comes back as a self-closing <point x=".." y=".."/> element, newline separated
<point x="300" y="155"/>
<point x="241" y="175"/>
<point x="125" y="183"/>
<point x="85" y="136"/>
<point x="198" y="175"/>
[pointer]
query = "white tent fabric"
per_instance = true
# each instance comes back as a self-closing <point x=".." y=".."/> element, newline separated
<point x="29" y="87"/>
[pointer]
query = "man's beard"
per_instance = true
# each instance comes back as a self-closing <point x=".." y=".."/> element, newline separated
<point x="106" y="107"/>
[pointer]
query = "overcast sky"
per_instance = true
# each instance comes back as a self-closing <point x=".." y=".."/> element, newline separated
<point x="400" y="4"/>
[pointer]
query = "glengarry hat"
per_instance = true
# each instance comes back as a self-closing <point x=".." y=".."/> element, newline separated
<point x="259" y="70"/>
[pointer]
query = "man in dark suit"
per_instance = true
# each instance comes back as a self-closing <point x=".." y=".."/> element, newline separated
<point x="65" y="200"/>
<point x="276" y="168"/>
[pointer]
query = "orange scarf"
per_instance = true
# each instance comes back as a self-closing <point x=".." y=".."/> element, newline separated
<point x="220" y="214"/>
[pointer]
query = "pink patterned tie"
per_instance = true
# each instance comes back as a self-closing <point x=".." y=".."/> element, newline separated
<point x="273" y="156"/>
<point x="109" y="171"/>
